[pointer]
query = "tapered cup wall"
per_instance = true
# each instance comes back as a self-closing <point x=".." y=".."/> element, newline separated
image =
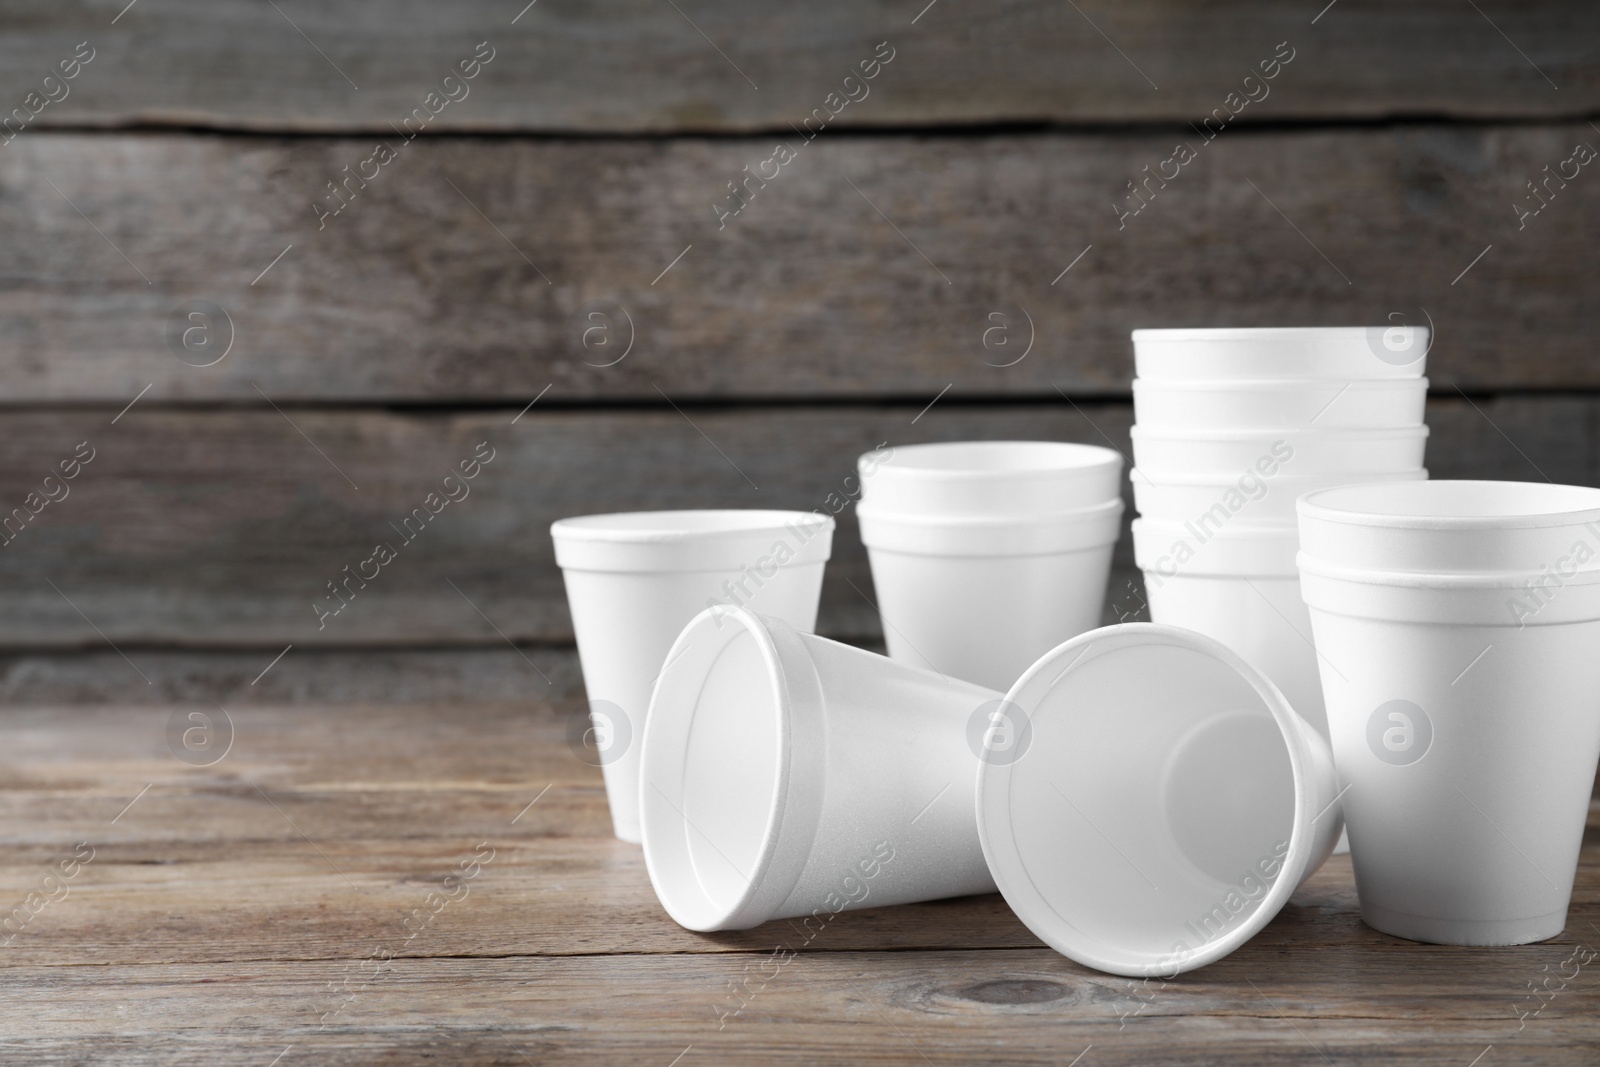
<point x="786" y="775"/>
<point x="1248" y="496"/>
<point x="1343" y="353"/>
<point x="1180" y="453"/>
<point x="1284" y="404"/>
<point x="1469" y="750"/>
<point x="635" y="579"/>
<point x="982" y="599"/>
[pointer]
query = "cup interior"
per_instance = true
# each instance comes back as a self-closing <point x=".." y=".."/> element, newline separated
<point x="714" y="770"/>
<point x="1146" y="829"/>
<point x="1456" y="504"/>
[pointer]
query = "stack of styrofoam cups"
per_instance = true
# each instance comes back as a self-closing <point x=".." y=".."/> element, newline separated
<point x="986" y="554"/>
<point x="1457" y="624"/>
<point x="1231" y="426"/>
<point x="635" y="579"/>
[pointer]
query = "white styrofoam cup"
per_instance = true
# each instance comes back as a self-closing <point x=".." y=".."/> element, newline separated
<point x="1254" y="497"/>
<point x="787" y="775"/>
<point x="1167" y="802"/>
<point x="1328" y="404"/>
<point x="982" y="598"/>
<point x="1169" y="453"/>
<point x="1338" y="352"/>
<point x="1457" y="624"/>
<point x="635" y="579"/>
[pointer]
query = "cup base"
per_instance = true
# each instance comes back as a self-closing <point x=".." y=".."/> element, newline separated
<point x="1476" y="932"/>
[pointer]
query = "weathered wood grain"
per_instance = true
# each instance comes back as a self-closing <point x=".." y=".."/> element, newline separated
<point x="199" y="935"/>
<point x="639" y="66"/>
<point x="222" y="528"/>
<point x="483" y="292"/>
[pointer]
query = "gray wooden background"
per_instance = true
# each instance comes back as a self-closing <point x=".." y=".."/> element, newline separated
<point x="556" y="236"/>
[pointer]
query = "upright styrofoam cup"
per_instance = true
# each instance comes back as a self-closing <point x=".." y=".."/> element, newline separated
<point x="1305" y="452"/>
<point x="1248" y="494"/>
<point x="1458" y="625"/>
<point x="635" y="579"/>
<point x="984" y="478"/>
<point x="787" y="775"/>
<point x="1168" y="802"/>
<point x="1279" y="404"/>
<point x="982" y="598"/>
<point x="1338" y="352"/>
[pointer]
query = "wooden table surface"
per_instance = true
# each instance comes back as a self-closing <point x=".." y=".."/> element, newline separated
<point x="289" y="905"/>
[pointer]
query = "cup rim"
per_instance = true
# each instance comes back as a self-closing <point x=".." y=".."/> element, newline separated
<point x="993" y="787"/>
<point x="1324" y="505"/>
<point x="1011" y="520"/>
<point x="646" y="527"/>
<point x="1263" y="385"/>
<point x="1265" y="333"/>
<point x="1071" y="459"/>
<point x="1226" y="481"/>
<point x="1462" y="579"/>
<point x="665" y="850"/>
<point x="1207" y="435"/>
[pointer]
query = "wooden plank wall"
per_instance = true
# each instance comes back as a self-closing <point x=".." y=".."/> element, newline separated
<point x="358" y="340"/>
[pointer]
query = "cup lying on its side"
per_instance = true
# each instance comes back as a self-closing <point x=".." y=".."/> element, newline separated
<point x="1458" y="623"/>
<point x="985" y="554"/>
<point x="786" y="775"/>
<point x="635" y="579"/>
<point x="1169" y="802"/>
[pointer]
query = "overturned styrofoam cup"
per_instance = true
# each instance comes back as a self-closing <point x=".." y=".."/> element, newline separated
<point x="982" y="598"/>
<point x="1304" y="452"/>
<point x="1462" y="700"/>
<point x="1278" y="404"/>
<point x="1337" y="352"/>
<point x="1168" y="803"/>
<point x="981" y="478"/>
<point x="1251" y="495"/>
<point x="635" y="579"/>
<point x="787" y="775"/>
